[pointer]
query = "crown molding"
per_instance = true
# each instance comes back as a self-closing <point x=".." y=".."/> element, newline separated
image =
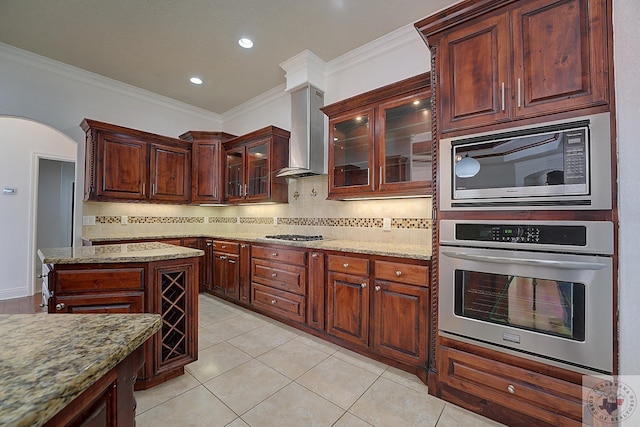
<point x="394" y="40"/>
<point x="29" y="59"/>
<point x="255" y="103"/>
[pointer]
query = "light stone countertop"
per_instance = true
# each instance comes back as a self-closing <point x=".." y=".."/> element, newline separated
<point x="46" y="361"/>
<point x="419" y="252"/>
<point x="130" y="252"/>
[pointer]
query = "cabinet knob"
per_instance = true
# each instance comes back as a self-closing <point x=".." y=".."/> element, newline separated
<point x="398" y="273"/>
<point x="274" y="274"/>
<point x="273" y="301"/>
<point x="274" y="254"/>
<point x="511" y="389"/>
<point x="345" y="265"/>
<point x="314" y="255"/>
<point x="363" y="285"/>
<point x="243" y="245"/>
<point x="209" y="243"/>
<point x="224" y="246"/>
<point x="60" y="306"/>
<point x="377" y="288"/>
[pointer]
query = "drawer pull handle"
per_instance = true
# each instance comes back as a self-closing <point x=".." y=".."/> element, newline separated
<point x="345" y="265"/>
<point x="274" y="274"/>
<point x="224" y="246"/>
<point x="511" y="389"/>
<point x="60" y="306"/>
<point x="274" y="254"/>
<point x="273" y="301"/>
<point x="398" y="273"/>
<point x="363" y="285"/>
<point x="377" y="288"/>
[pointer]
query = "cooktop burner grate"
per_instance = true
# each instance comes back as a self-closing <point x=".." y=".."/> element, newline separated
<point x="295" y="237"/>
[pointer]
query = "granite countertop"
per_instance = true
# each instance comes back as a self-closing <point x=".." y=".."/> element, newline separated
<point x="46" y="361"/>
<point x="420" y="252"/>
<point x="130" y="252"/>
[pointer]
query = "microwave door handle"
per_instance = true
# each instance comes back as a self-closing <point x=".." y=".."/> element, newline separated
<point x="569" y="265"/>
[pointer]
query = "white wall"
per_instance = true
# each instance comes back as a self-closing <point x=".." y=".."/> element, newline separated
<point x="626" y="15"/>
<point x="21" y="143"/>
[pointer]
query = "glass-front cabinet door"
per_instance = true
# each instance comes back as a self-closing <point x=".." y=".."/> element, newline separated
<point x="404" y="141"/>
<point x="258" y="170"/>
<point x="234" y="174"/>
<point x="351" y="153"/>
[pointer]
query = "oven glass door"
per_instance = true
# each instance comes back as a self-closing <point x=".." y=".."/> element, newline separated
<point x="537" y="304"/>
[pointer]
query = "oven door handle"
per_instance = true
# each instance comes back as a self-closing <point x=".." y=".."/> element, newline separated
<point x="569" y="265"/>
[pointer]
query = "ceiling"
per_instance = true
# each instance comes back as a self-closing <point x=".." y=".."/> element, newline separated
<point x="158" y="44"/>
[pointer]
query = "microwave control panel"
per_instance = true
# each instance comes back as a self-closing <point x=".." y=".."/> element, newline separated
<point x="572" y="235"/>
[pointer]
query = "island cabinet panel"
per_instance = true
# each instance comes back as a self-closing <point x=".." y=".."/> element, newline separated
<point x="174" y="296"/>
<point x="500" y="61"/>
<point x="109" y="402"/>
<point x="279" y="281"/>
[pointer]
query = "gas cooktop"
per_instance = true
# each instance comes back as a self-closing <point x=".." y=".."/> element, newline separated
<point x="294" y="237"/>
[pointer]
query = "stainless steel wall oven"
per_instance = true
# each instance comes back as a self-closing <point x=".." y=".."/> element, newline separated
<point x="541" y="290"/>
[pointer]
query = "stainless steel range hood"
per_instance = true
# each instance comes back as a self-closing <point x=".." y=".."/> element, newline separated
<point x="306" y="150"/>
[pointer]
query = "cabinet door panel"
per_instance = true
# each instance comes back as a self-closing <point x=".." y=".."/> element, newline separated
<point x="559" y="52"/>
<point x="206" y="167"/>
<point x="348" y="307"/>
<point x="169" y="177"/>
<point x="232" y="281"/>
<point x="474" y="74"/>
<point x="121" y="171"/>
<point x="400" y="327"/>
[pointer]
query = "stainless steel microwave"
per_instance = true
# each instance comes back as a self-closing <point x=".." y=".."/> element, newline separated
<point x="563" y="164"/>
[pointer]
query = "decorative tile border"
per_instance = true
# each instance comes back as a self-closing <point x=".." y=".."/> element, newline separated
<point x="399" y="223"/>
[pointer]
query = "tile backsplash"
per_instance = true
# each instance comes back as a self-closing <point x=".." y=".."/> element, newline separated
<point x="308" y="212"/>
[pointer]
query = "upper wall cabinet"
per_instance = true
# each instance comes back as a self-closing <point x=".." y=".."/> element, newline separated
<point x="380" y="142"/>
<point x="251" y="162"/>
<point x="498" y="61"/>
<point x="206" y="168"/>
<point x="123" y="164"/>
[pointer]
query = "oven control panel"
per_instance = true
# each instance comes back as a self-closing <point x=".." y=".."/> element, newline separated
<point x="572" y="235"/>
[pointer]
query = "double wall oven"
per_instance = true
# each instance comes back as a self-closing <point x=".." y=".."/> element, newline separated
<point x="540" y="289"/>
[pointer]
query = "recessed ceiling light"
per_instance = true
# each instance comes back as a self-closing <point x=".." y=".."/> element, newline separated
<point x="196" y="80"/>
<point x="245" y="43"/>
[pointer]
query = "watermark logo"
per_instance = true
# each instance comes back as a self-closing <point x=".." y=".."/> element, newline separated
<point x="611" y="401"/>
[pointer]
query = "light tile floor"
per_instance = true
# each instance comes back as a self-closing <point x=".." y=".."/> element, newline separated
<point x="254" y="371"/>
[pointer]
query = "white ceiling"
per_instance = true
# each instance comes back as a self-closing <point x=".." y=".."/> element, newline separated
<point x="158" y="44"/>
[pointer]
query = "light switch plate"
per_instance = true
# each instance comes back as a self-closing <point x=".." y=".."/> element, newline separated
<point x="386" y="224"/>
<point x="89" y="220"/>
<point x="124" y="219"/>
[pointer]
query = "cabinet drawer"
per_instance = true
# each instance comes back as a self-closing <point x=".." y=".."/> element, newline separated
<point x="226" y="247"/>
<point x="279" y="275"/>
<point x="540" y="396"/>
<point x="280" y="303"/>
<point x="404" y="273"/>
<point x="289" y="256"/>
<point x="99" y="280"/>
<point x="349" y="265"/>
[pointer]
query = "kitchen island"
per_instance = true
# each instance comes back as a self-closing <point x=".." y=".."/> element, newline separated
<point x="53" y="368"/>
<point x="147" y="277"/>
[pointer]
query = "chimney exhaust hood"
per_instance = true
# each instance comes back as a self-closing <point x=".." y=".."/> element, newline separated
<point x="306" y="150"/>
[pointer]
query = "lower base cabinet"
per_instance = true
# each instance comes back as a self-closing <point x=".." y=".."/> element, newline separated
<point x="511" y="390"/>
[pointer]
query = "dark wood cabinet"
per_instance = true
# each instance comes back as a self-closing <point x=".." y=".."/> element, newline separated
<point x="250" y="164"/>
<point x="316" y="290"/>
<point x="380" y="142"/>
<point x="400" y="303"/>
<point x="206" y="165"/>
<point x="226" y="271"/>
<point x="348" y="299"/>
<point x="500" y="61"/>
<point x="123" y="164"/>
<point x="279" y="281"/>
